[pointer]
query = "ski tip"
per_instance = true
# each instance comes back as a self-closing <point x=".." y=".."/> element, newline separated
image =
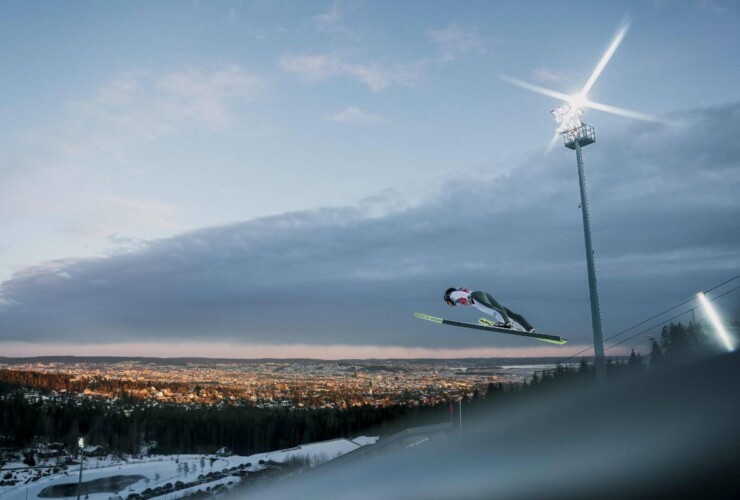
<point x="559" y="341"/>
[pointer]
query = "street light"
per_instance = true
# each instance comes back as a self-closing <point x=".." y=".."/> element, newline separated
<point x="459" y="406"/>
<point x="81" y="446"/>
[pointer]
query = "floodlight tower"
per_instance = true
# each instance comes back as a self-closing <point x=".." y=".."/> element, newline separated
<point x="578" y="135"/>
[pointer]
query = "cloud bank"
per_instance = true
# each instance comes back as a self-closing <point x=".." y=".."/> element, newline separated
<point x="665" y="215"/>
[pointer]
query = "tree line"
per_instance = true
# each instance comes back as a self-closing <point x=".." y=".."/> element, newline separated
<point x="124" y="425"/>
<point x="676" y="344"/>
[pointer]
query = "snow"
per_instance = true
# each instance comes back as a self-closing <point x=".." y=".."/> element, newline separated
<point x="316" y="452"/>
<point x="161" y="469"/>
<point x="226" y="481"/>
<point x="365" y="440"/>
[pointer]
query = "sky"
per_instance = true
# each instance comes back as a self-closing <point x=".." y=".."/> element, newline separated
<point x="260" y="178"/>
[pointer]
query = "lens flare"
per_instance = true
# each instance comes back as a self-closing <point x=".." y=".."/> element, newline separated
<point x="578" y="101"/>
<point x="605" y="58"/>
<point x="569" y="114"/>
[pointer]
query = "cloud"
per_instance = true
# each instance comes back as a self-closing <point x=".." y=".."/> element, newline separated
<point x="376" y="75"/>
<point x="664" y="213"/>
<point x="455" y="40"/>
<point x="330" y="18"/>
<point x="313" y="67"/>
<point x="70" y="180"/>
<point x="352" y="114"/>
<point x="712" y="6"/>
<point x="543" y="74"/>
<point x="149" y="212"/>
<point x="142" y="106"/>
<point x="200" y="96"/>
<point x="72" y="155"/>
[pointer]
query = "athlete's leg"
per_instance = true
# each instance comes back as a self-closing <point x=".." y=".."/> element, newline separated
<point x="484" y="301"/>
<point x="519" y="319"/>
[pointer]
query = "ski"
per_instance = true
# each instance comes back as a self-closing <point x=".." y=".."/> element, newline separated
<point x="540" y="336"/>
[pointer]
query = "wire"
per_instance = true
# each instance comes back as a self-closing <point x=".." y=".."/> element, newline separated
<point x="674" y="317"/>
<point x="723" y="283"/>
<point x="650" y="319"/>
<point x="671" y="309"/>
<point x="646" y="330"/>
<point x="722" y="295"/>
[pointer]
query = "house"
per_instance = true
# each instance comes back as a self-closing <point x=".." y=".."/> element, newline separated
<point x="224" y="452"/>
<point x="94" y="451"/>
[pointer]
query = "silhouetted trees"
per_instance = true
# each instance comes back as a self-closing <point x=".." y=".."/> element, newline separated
<point x="677" y="344"/>
<point x="186" y="429"/>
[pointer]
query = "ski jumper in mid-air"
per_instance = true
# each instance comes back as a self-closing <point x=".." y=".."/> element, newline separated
<point x="486" y="303"/>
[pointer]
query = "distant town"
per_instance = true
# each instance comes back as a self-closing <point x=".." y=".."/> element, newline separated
<point x="294" y="384"/>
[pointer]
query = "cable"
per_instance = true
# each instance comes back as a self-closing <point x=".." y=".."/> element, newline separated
<point x="723" y="283"/>
<point x="650" y="319"/>
<point x="628" y="329"/>
<point x="723" y="294"/>
<point x="670" y="309"/>
<point x="674" y="317"/>
<point x="646" y="330"/>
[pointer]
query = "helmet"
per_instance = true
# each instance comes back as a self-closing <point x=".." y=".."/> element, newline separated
<point x="447" y="298"/>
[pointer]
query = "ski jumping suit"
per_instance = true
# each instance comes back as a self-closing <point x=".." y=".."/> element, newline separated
<point x="487" y="304"/>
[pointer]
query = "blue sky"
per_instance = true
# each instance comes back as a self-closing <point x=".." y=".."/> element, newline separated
<point x="134" y="130"/>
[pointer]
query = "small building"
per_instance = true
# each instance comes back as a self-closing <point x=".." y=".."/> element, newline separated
<point x="94" y="451"/>
<point x="224" y="452"/>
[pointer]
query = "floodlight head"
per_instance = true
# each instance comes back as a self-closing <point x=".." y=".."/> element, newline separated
<point x="716" y="323"/>
<point x="81" y="442"/>
<point x="568" y="117"/>
<point x="578" y="101"/>
<point x="569" y="114"/>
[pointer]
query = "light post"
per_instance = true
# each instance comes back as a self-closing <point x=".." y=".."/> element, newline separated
<point x="577" y="135"/>
<point x="459" y="408"/>
<point x="81" y="445"/>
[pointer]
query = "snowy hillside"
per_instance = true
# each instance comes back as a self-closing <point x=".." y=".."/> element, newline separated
<point x="173" y="475"/>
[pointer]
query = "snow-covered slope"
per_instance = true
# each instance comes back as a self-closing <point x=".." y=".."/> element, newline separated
<point x="156" y="471"/>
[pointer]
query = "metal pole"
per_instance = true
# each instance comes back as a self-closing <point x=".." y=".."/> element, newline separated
<point x="459" y="405"/>
<point x="593" y="290"/>
<point x="79" y="481"/>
